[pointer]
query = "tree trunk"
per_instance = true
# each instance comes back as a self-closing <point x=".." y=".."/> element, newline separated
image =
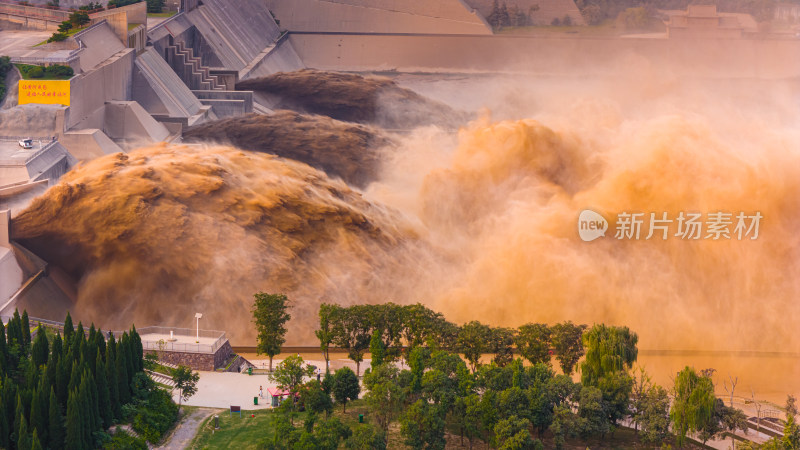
<point x="344" y="407"/>
<point x="358" y="368"/>
<point x="270" y="363"/>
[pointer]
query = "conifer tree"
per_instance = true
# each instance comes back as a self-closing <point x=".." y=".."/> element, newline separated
<point x="122" y="377"/>
<point x="55" y="433"/>
<point x="74" y="425"/>
<point x="41" y="349"/>
<point x="35" y="442"/>
<point x="103" y="394"/>
<point x="23" y="437"/>
<point x="26" y="330"/>
<point x="3" y="351"/>
<point x="69" y="330"/>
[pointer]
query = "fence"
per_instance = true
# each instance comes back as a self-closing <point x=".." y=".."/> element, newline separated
<point x="165" y="345"/>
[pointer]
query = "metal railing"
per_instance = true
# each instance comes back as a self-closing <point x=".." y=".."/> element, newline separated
<point x="166" y="345"/>
<point x="65" y="60"/>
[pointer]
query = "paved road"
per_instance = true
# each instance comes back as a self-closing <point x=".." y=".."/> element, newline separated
<point x="187" y="429"/>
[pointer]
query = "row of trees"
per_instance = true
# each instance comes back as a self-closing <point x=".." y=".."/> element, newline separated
<point x="64" y="392"/>
<point x="505" y="402"/>
<point x="389" y="332"/>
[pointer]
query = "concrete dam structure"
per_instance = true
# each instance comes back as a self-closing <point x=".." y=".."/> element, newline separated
<point x="146" y="86"/>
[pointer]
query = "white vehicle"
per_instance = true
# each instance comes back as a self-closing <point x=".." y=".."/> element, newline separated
<point x="26" y="143"/>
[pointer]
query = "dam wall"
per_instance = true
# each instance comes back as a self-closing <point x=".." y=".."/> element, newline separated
<point x="734" y="58"/>
<point x="379" y="16"/>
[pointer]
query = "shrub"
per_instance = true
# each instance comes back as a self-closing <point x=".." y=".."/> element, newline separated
<point x="58" y="70"/>
<point x="155" y="415"/>
<point x="123" y="440"/>
<point x="65" y="26"/>
<point x="556" y="22"/>
<point x="566" y="21"/>
<point x="57" y="37"/>
<point x="35" y="72"/>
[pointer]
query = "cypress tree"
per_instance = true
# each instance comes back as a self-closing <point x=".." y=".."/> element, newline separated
<point x="138" y="349"/>
<point x="26" y="329"/>
<point x="97" y="421"/>
<point x="41" y="348"/>
<point x="91" y="355"/>
<point x="5" y="429"/>
<point x="113" y="389"/>
<point x="85" y="402"/>
<point x="19" y="413"/>
<point x="122" y="377"/>
<point x="62" y="383"/>
<point x="9" y="398"/>
<point x="77" y="338"/>
<point x="35" y="443"/>
<point x="55" y="433"/>
<point x="15" y="330"/>
<point x="74" y="425"/>
<point x="74" y="378"/>
<point x="40" y="410"/>
<point x="103" y="394"/>
<point x="23" y="437"/>
<point x="68" y="330"/>
<point x="57" y="349"/>
<point x="34" y="409"/>
<point x="128" y="351"/>
<point x="3" y="351"/>
<point x="100" y="342"/>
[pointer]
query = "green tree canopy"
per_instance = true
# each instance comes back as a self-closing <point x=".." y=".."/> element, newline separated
<point x="270" y="314"/>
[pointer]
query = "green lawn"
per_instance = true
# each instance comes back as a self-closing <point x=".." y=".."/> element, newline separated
<point x="236" y="432"/>
<point x="162" y="14"/>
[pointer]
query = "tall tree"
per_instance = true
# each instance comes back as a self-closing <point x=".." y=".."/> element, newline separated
<point x="533" y="342"/>
<point x="23" y="437"/>
<point x="325" y="331"/>
<point x="384" y="394"/>
<point x="3" y="351"/>
<point x="185" y="382"/>
<point x="423" y="426"/>
<point x="608" y="349"/>
<point x="654" y="415"/>
<point x="36" y="444"/>
<point x="103" y="393"/>
<point x="74" y="425"/>
<point x="473" y="342"/>
<point x="290" y="373"/>
<point x="693" y="403"/>
<point x="270" y="314"/>
<point x="345" y="386"/>
<point x="41" y="348"/>
<point x="352" y="332"/>
<point x="26" y="329"/>
<point x="123" y="388"/>
<point x="501" y="341"/>
<point x="568" y="344"/>
<point x="69" y="329"/>
<point x="55" y="421"/>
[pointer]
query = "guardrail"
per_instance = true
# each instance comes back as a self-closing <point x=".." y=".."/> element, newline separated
<point x="65" y="60"/>
<point x="165" y="345"/>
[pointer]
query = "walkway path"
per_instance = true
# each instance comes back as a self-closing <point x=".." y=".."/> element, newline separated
<point x="186" y="430"/>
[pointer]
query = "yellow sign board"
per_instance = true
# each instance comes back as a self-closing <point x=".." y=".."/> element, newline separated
<point x="51" y="92"/>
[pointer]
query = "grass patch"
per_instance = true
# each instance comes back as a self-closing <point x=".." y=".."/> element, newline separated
<point x="162" y="14"/>
<point x="237" y="432"/>
<point x="70" y="32"/>
<point x="132" y="26"/>
<point x="608" y="28"/>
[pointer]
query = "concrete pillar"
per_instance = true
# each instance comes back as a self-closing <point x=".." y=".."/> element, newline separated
<point x="5" y="228"/>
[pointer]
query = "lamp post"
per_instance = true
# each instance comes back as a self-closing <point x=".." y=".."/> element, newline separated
<point x="198" y="316"/>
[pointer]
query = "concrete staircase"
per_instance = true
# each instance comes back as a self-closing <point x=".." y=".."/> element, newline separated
<point x="190" y="69"/>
